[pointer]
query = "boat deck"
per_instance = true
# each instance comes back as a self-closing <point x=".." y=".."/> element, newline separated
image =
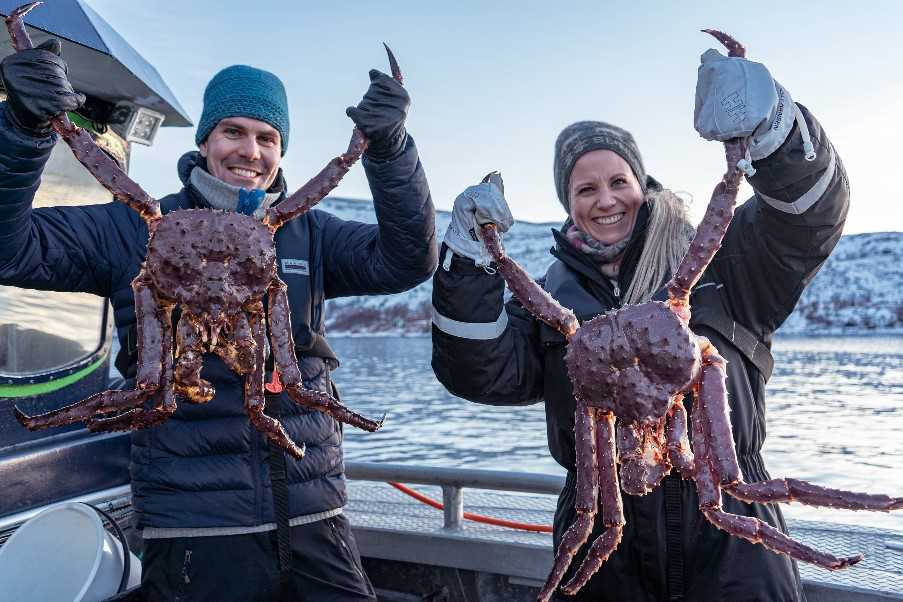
<point x="393" y="526"/>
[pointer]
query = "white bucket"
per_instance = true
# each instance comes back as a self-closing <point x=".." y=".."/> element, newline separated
<point x="63" y="554"/>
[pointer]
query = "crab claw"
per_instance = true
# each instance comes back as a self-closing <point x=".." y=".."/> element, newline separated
<point x="23" y="10"/>
<point x="393" y="65"/>
<point x="14" y="24"/>
<point x="23" y="418"/>
<point x="734" y="48"/>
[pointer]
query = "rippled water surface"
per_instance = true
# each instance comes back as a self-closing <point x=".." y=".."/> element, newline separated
<point x="835" y="416"/>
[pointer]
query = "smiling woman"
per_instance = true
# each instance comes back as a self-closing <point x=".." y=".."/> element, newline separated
<point x="605" y="196"/>
<point x="522" y="351"/>
<point x="603" y="185"/>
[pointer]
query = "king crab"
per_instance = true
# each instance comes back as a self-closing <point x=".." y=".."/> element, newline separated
<point x="630" y="370"/>
<point x="216" y="267"/>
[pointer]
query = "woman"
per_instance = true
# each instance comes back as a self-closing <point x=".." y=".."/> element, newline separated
<point x="624" y="237"/>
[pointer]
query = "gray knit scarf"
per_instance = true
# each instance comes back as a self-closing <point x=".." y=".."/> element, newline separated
<point x="606" y="257"/>
<point x="221" y="195"/>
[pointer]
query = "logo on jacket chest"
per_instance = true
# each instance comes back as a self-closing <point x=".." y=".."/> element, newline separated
<point x="295" y="266"/>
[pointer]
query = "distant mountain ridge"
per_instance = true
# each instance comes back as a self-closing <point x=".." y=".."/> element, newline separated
<point x="858" y="290"/>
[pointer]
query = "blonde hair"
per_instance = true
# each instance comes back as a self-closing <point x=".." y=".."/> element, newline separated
<point x="668" y="237"/>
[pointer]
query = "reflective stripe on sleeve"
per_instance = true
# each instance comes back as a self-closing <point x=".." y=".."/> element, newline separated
<point x="480" y="331"/>
<point x="802" y="204"/>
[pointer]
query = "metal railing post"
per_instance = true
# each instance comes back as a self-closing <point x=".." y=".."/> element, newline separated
<point x="453" y="506"/>
<point x="495" y="480"/>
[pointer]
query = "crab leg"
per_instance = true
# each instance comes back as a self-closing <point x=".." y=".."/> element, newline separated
<point x="97" y="162"/>
<point x="321" y="184"/>
<point x="532" y="296"/>
<point x="190" y="354"/>
<point x="255" y="402"/>
<point x="641" y="454"/>
<point x="141" y="418"/>
<point x="751" y="529"/>
<point x="795" y="490"/>
<point x="706" y="484"/>
<point x="284" y="356"/>
<point x="713" y="408"/>
<point x="99" y="403"/>
<point x="630" y="453"/>
<point x="718" y="214"/>
<point x="678" y="444"/>
<point x="755" y="531"/>
<point x="612" y="506"/>
<point x="710" y="233"/>
<point x="151" y="350"/>
<point x="714" y="411"/>
<point x="237" y="350"/>
<point x="585" y="503"/>
<point x="318" y="187"/>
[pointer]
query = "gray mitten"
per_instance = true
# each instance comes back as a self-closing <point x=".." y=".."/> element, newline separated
<point x="477" y="205"/>
<point x="737" y="98"/>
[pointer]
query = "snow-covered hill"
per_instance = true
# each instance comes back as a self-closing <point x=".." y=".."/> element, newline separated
<point x="859" y="289"/>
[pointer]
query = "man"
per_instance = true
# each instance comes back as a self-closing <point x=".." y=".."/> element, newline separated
<point x="201" y="481"/>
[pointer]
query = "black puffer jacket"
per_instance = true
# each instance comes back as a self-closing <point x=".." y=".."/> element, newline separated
<point x="499" y="354"/>
<point x="207" y="466"/>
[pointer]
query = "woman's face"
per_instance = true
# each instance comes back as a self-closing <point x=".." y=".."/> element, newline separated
<point x="605" y="196"/>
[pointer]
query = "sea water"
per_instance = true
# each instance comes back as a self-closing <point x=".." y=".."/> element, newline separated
<point x="834" y="417"/>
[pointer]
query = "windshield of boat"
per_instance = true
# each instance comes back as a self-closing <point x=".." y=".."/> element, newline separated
<point x="42" y="332"/>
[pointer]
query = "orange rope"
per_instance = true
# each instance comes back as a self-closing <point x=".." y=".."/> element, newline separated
<point x="479" y="518"/>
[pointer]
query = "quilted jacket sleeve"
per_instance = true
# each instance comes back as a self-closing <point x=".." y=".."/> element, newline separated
<point x="70" y="249"/>
<point x="397" y="253"/>
<point x="484" y="350"/>
<point x="781" y="236"/>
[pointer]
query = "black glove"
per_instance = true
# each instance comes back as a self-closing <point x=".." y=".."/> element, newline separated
<point x="380" y="116"/>
<point x="37" y="87"/>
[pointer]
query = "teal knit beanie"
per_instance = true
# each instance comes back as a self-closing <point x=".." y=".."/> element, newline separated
<point x="243" y="91"/>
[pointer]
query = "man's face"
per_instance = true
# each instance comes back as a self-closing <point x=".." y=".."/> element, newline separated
<point x="243" y="152"/>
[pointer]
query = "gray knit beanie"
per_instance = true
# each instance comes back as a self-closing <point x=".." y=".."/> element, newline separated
<point x="582" y="137"/>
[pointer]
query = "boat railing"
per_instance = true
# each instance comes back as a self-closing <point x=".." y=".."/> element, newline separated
<point x="453" y="482"/>
<point x="525" y="558"/>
